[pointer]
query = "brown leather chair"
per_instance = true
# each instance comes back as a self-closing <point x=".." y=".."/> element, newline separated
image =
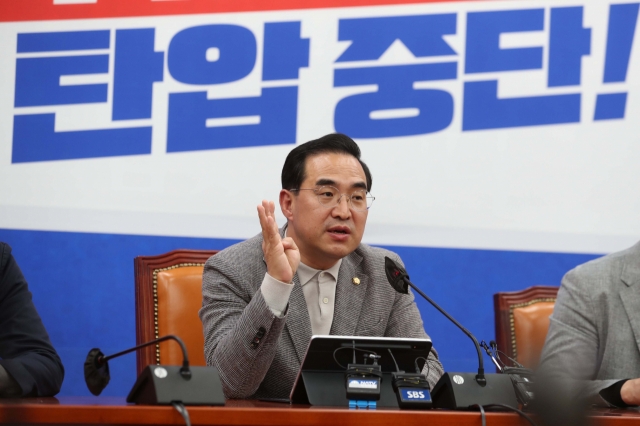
<point x="168" y="297"/>
<point x="522" y="322"/>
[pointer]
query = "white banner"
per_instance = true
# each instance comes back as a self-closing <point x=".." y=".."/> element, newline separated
<point x="499" y="125"/>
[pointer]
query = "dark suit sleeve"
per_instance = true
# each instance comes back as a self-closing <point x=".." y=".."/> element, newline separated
<point x="26" y="352"/>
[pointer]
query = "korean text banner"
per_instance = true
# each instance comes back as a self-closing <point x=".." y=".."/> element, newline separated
<point x="503" y="125"/>
<point x="503" y="139"/>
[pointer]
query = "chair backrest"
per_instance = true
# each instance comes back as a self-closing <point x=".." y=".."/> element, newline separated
<point x="522" y="322"/>
<point x="168" y="297"/>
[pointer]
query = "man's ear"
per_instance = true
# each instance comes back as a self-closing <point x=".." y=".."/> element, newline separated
<point x="287" y="202"/>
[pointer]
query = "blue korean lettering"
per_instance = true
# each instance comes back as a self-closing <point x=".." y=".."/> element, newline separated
<point x="65" y="40"/>
<point x="568" y="42"/>
<point x="622" y="27"/>
<point x="371" y="37"/>
<point x="189" y="112"/>
<point x="353" y="114"/>
<point x="38" y="80"/>
<point x="284" y="52"/>
<point x="137" y="67"/>
<point x="35" y="139"/>
<point x="194" y="120"/>
<point x="610" y="106"/>
<point x="483" y="52"/>
<point x="38" y="84"/>
<point x="236" y="54"/>
<point x="483" y="110"/>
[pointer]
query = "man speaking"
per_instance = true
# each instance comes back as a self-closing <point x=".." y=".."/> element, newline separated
<point x="264" y="298"/>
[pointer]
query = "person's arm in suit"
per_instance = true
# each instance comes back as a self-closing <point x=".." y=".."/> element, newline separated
<point x="405" y="321"/>
<point x="571" y="346"/>
<point x="29" y="363"/>
<point x="241" y="330"/>
<point x="232" y="320"/>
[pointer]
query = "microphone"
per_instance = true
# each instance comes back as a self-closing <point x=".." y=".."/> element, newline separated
<point x="399" y="280"/>
<point x="158" y="384"/>
<point x="452" y="390"/>
<point x="521" y="377"/>
<point x="96" y="367"/>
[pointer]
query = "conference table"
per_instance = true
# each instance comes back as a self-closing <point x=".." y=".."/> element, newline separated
<point x="115" y="411"/>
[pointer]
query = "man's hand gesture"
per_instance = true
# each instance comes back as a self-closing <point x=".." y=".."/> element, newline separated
<point x="282" y="255"/>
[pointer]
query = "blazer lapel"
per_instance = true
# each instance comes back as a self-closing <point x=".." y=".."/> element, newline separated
<point x="630" y="294"/>
<point x="298" y="322"/>
<point x="349" y="296"/>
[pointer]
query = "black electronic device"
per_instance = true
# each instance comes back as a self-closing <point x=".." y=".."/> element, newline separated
<point x="163" y="384"/>
<point x="412" y="390"/>
<point x="159" y="384"/>
<point x="521" y="377"/>
<point x="363" y="381"/>
<point x="458" y="390"/>
<point x="523" y="383"/>
<point x="323" y="373"/>
<point x="461" y="391"/>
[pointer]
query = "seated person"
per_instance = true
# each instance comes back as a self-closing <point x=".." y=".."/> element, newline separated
<point x="264" y="298"/>
<point x="29" y="365"/>
<point x="594" y="333"/>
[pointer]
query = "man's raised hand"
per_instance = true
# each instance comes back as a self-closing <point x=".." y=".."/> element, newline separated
<point x="281" y="254"/>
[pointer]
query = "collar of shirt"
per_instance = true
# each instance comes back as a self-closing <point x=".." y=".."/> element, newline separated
<point x="306" y="273"/>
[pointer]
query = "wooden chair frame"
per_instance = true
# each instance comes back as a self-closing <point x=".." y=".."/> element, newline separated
<point x="146" y="270"/>
<point x="504" y="303"/>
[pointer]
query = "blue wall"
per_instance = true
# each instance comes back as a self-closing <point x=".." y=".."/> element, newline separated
<point x="82" y="285"/>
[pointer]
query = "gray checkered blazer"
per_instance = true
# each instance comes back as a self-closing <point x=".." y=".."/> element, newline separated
<point x="257" y="354"/>
<point x="594" y="334"/>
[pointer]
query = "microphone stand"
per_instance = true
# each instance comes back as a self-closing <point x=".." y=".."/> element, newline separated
<point x="159" y="384"/>
<point x="480" y="378"/>
<point x="185" y="372"/>
<point x="452" y="390"/>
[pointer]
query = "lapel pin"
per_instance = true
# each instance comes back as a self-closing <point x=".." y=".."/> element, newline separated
<point x="356" y="280"/>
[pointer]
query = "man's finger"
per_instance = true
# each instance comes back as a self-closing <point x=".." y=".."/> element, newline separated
<point x="264" y="222"/>
<point x="289" y="244"/>
<point x="262" y="216"/>
<point x="272" y="208"/>
<point x="270" y="232"/>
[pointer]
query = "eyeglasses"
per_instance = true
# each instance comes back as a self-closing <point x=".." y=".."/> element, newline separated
<point x="329" y="197"/>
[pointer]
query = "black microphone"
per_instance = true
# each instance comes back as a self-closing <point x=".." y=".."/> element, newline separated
<point x="96" y="367"/>
<point x="159" y="384"/>
<point x="452" y="391"/>
<point x="399" y="279"/>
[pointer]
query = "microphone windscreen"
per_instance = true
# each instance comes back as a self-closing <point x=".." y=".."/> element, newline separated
<point x="96" y="374"/>
<point x="396" y="276"/>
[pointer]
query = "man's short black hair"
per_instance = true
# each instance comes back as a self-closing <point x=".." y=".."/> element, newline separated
<point x="293" y="171"/>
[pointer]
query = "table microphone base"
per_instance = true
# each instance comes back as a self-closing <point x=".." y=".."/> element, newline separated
<point x="460" y="391"/>
<point x="163" y="384"/>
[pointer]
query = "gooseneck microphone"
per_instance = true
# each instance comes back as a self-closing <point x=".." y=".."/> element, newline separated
<point x="399" y="280"/>
<point x="159" y="384"/>
<point x="100" y="360"/>
<point x="454" y="390"/>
